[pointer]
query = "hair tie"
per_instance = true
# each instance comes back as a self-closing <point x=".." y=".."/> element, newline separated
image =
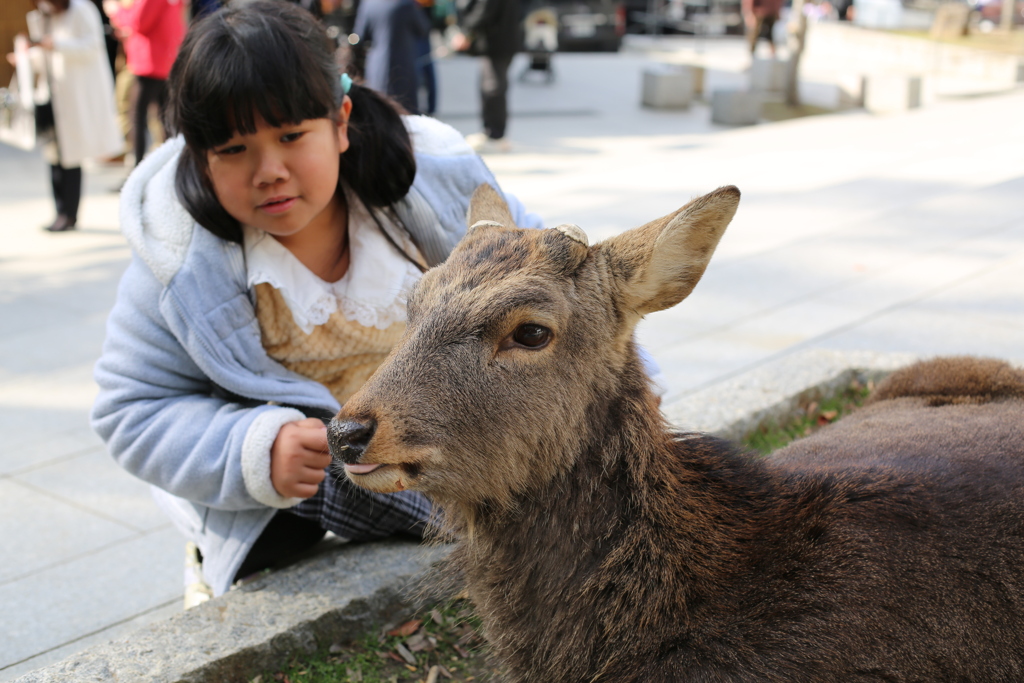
<point x="346" y="83"/>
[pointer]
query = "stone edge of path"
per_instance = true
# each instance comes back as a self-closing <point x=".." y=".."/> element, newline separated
<point x="340" y="593"/>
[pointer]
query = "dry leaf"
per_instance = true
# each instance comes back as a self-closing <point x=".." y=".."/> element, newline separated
<point x="335" y="648"/>
<point x="436" y="616"/>
<point x="396" y="657"/>
<point x="812" y="408"/>
<point x="444" y="672"/>
<point x="406" y="655"/>
<point x="432" y="674"/>
<point x="418" y="643"/>
<point x="406" y="629"/>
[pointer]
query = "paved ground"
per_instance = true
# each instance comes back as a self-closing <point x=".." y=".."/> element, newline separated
<point x="902" y="233"/>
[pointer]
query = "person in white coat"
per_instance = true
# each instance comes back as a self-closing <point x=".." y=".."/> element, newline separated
<point x="70" y="57"/>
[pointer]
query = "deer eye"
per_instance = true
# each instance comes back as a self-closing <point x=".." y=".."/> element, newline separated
<point x="531" y="336"/>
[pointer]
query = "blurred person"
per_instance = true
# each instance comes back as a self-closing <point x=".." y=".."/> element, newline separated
<point x="425" y="60"/>
<point x="75" y="117"/>
<point x="391" y="31"/>
<point x="151" y="31"/>
<point x="109" y="37"/>
<point x="759" y="17"/>
<point x="200" y="8"/>
<point x="490" y="29"/>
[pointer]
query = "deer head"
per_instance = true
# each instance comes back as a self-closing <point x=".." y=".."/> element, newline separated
<point x="515" y="347"/>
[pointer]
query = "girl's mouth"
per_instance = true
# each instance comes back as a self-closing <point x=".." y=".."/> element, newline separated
<point x="277" y="204"/>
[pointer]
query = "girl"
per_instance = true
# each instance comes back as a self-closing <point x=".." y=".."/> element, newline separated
<point x="275" y="242"/>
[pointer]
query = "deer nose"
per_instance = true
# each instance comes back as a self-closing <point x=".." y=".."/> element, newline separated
<point x="348" y="439"/>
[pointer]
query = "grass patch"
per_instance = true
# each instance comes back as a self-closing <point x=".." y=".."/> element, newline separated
<point x="441" y="644"/>
<point x="816" y="415"/>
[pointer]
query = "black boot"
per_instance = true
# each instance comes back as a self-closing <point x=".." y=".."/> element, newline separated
<point x="62" y="224"/>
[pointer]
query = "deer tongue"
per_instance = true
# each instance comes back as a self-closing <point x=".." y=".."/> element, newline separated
<point x="361" y="469"/>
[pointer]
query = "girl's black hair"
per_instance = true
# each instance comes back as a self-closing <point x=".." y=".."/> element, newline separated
<point x="272" y="59"/>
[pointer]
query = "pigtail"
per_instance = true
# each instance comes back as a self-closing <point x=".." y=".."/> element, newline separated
<point x="379" y="164"/>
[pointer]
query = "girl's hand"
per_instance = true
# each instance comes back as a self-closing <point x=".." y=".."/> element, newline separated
<point x="298" y="458"/>
<point x="459" y="42"/>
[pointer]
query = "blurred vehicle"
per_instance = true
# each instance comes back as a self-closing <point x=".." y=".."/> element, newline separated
<point x="991" y="11"/>
<point x="696" y="17"/>
<point x="586" y="24"/>
<point x="540" y="41"/>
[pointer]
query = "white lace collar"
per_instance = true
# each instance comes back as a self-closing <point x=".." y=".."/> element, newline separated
<point x="372" y="292"/>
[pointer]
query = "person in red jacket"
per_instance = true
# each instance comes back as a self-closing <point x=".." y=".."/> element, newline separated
<point x="152" y="31"/>
<point x="760" y="17"/>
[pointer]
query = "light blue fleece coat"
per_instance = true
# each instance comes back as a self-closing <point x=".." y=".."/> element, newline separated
<point x="183" y="337"/>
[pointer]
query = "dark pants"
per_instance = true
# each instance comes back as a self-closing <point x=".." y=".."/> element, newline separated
<point x="286" y="536"/>
<point x="494" y="93"/>
<point x="67" y="190"/>
<point x="150" y="90"/>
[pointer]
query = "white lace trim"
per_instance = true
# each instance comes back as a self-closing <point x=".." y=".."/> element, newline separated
<point x="373" y="292"/>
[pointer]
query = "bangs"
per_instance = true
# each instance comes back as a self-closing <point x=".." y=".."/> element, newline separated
<point x="236" y="67"/>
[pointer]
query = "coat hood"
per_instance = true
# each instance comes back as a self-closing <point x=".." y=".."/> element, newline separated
<point x="153" y="221"/>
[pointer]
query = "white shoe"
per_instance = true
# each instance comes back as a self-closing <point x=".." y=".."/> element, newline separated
<point x="197" y="591"/>
<point x="487" y="145"/>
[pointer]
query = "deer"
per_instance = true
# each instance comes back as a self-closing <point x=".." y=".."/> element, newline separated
<point x="598" y="543"/>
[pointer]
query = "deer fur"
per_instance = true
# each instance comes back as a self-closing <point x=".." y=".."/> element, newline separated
<point x="599" y="545"/>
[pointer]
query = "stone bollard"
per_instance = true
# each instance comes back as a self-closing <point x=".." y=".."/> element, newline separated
<point x="668" y="87"/>
<point x="736" y="107"/>
<point x="699" y="80"/>
<point x="768" y="75"/>
<point x="891" y="93"/>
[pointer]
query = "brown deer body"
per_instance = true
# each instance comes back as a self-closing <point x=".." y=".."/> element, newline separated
<point x="598" y="545"/>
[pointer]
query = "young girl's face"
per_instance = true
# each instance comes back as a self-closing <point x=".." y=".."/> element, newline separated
<point x="281" y="179"/>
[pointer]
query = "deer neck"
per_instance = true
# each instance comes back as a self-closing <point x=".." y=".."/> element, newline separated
<point x="569" y="560"/>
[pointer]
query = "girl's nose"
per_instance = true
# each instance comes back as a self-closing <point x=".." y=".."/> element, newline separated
<point x="270" y="169"/>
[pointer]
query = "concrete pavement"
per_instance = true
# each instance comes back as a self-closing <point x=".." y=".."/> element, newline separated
<point x="855" y="232"/>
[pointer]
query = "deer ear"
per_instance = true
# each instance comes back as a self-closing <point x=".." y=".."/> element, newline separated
<point x="657" y="265"/>
<point x="488" y="205"/>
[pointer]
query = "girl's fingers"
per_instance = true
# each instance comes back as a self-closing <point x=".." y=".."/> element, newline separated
<point x="300" y="490"/>
<point x="318" y="459"/>
<point x="314" y="436"/>
<point x="312" y="475"/>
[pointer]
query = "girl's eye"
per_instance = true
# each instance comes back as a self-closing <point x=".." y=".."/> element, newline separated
<point x="291" y="137"/>
<point x="531" y="336"/>
<point x="228" y="151"/>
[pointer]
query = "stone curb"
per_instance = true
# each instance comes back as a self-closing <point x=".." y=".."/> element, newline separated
<point x="336" y="595"/>
<point x="777" y="392"/>
<point x="339" y="594"/>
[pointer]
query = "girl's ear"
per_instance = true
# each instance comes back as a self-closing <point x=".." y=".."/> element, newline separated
<point x="344" y="112"/>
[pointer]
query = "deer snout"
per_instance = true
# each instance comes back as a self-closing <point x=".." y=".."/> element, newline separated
<point x="348" y="439"/>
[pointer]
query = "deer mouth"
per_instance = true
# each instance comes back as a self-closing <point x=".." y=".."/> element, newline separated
<point x="383" y="478"/>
